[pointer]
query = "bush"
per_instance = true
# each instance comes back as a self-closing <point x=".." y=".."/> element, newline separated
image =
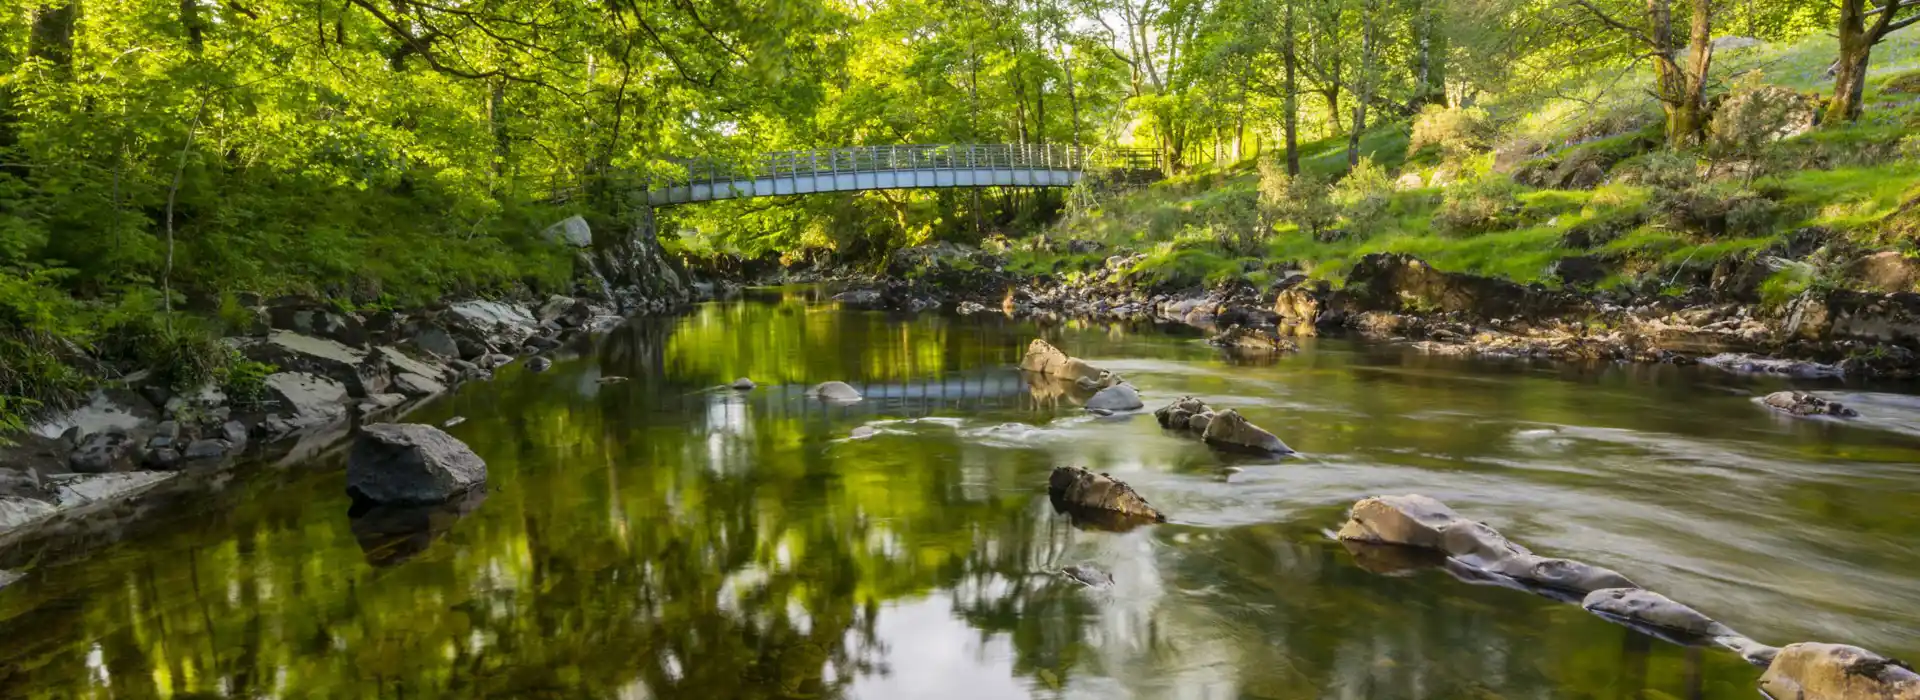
<point x="1303" y="201"/>
<point x="1363" y="195"/>
<point x="245" y="381"/>
<point x="184" y="354"/>
<point x="1478" y="205"/>
<point x="13" y="417"/>
<point x="1458" y="132"/>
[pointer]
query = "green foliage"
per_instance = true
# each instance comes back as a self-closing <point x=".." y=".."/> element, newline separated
<point x="1477" y="205"/>
<point x="1458" y="133"/>
<point x="1363" y="195"/>
<point x="13" y="411"/>
<point x="1303" y="201"/>
<point x="243" y="380"/>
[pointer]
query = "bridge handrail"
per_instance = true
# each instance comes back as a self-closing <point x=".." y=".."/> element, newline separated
<point x="870" y="159"/>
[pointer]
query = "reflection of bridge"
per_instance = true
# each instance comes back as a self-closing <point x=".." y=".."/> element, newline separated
<point x="897" y="167"/>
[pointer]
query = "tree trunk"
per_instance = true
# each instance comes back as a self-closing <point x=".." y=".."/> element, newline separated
<point x="497" y="124"/>
<point x="52" y="37"/>
<point x="1290" y="112"/>
<point x="1682" y="89"/>
<point x="1850" y="73"/>
<point x="194" y="25"/>
<point x="1363" y="84"/>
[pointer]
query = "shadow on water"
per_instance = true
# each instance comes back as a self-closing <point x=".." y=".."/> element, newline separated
<point x="661" y="537"/>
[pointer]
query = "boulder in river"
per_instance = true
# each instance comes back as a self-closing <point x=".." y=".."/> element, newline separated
<point x="1252" y="340"/>
<point x="1116" y="398"/>
<point x="1228" y="429"/>
<point x="1089" y="576"/>
<point x="405" y="463"/>
<point x="834" y="391"/>
<point x="1651" y="612"/>
<point x="1075" y="487"/>
<point x="1419" y="521"/>
<point x="1813" y="671"/>
<point x="742" y="384"/>
<point x="1800" y="403"/>
<point x="1043" y="358"/>
<point x="1176" y="415"/>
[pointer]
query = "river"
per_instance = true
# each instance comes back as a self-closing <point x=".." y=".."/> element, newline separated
<point x="663" y="537"/>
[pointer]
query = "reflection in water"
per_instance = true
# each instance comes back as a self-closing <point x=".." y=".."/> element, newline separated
<point x="392" y="534"/>
<point x="656" y="538"/>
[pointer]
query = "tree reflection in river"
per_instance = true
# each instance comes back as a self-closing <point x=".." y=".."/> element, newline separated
<point x="664" y="537"/>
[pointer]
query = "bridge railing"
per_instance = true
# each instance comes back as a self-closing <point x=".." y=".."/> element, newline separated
<point x="869" y="159"/>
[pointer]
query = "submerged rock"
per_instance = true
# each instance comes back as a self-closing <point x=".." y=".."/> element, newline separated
<point x="399" y="463"/>
<point x="1075" y="487"/>
<point x="1116" y="398"/>
<point x="539" y="364"/>
<point x="1650" y="609"/>
<point x="1812" y="671"/>
<point x="1228" y="429"/>
<point x="743" y="384"/>
<point x="834" y="391"/>
<point x="1087" y="576"/>
<point x="1238" y="338"/>
<point x="1419" y="521"/>
<point x="1804" y="404"/>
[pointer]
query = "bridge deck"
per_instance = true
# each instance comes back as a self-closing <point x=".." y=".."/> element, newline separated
<point x="894" y="167"/>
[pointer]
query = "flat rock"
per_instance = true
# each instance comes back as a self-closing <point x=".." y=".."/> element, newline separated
<point x="417" y="385"/>
<point x="405" y="463"/>
<point x="834" y="391"/>
<point x="1078" y="488"/>
<point x="106" y="409"/>
<point x="1116" y="398"/>
<point x="1813" y="671"/>
<point x="1418" y="521"/>
<point x="81" y="489"/>
<point x="16" y="512"/>
<point x="1650" y="609"/>
<point x="1043" y="358"/>
<point x="1800" y="403"/>
<point x="1410" y="520"/>
<point x="350" y="367"/>
<point x="304" y="400"/>
<point x="400" y="363"/>
<point x="1087" y="575"/>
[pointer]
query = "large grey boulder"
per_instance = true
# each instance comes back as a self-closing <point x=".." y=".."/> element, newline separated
<point x="1116" y="398"/>
<point x="572" y="231"/>
<point x="834" y="391"/>
<point x="405" y="463"/>
<point x="1076" y="487"/>
<point x="437" y="340"/>
<point x="109" y="451"/>
<point x="303" y="400"/>
<point x="1812" y="671"/>
<point x="1228" y="429"/>
<point x="362" y="374"/>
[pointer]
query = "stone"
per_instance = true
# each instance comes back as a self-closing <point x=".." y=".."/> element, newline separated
<point x="538" y="364"/>
<point x="404" y="463"/>
<point x="1048" y="360"/>
<point x="1175" y="416"/>
<point x="235" y="433"/>
<point x="81" y="489"/>
<point x="16" y="512"/>
<point x="1814" y="671"/>
<point x="1888" y="271"/>
<point x="1761" y="114"/>
<point x="494" y="361"/>
<point x="1650" y="609"/>
<point x="1116" y="398"/>
<point x="742" y="384"/>
<point x="438" y="341"/>
<point x="969" y="308"/>
<point x="834" y="391"/>
<point x="312" y="318"/>
<point x="859" y="298"/>
<point x="292" y="352"/>
<point x="415" y="385"/>
<point x="1075" y="487"/>
<point x="162" y="458"/>
<point x="1411" y="520"/>
<point x="20" y="482"/>
<point x="572" y="231"/>
<point x="206" y="449"/>
<point x="1581" y="271"/>
<point x="1800" y="403"/>
<point x="1743" y="363"/>
<point x="1088" y="576"/>
<point x="399" y="363"/>
<point x="1229" y="429"/>
<point x="105" y="410"/>
<point x="1198" y="422"/>
<point x="1236" y="337"/>
<point x="110" y="451"/>
<point x="304" y="400"/>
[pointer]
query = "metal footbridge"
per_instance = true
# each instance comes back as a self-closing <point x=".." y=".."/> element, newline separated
<point x="784" y="173"/>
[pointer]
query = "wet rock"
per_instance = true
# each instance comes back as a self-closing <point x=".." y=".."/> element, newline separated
<point x="742" y="384"/>
<point x="1236" y="337"/>
<point x="494" y="361"/>
<point x="1394" y="282"/>
<point x="834" y="391"/>
<point x="1176" y="415"/>
<point x="438" y="341"/>
<point x="1650" y="609"/>
<point x="1889" y="271"/>
<point x="1050" y="361"/>
<point x="162" y="459"/>
<point x="1812" y="671"/>
<point x="399" y="363"/>
<point x="1299" y="305"/>
<point x="1198" y="422"/>
<point x="1804" y="404"/>
<point x="303" y="400"/>
<point x="206" y="449"/>
<point x="73" y="490"/>
<point x="1075" y="487"/>
<point x="315" y="319"/>
<point x="381" y="402"/>
<point x="403" y="463"/>
<point x="1743" y="363"/>
<point x="1228" y="429"/>
<point x="860" y="298"/>
<point x="109" y="451"/>
<point x="539" y="364"/>
<point x="1581" y="271"/>
<point x="969" y="308"/>
<point x="20" y="483"/>
<point x="417" y="385"/>
<point x="17" y="512"/>
<point x="1116" y="398"/>
<point x="1087" y="576"/>
<point x="1419" y="521"/>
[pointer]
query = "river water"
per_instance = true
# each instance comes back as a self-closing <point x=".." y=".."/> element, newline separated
<point x="661" y="538"/>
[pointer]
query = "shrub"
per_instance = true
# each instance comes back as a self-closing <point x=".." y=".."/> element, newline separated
<point x="1478" y="205"/>
<point x="1458" y="132"/>
<point x="184" y="354"/>
<point x="13" y="417"/>
<point x="243" y="380"/>
<point x="1303" y="201"/>
<point x="1363" y="195"/>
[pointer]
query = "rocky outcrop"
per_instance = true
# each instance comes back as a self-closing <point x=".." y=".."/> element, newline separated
<point x="572" y="232"/>
<point x="1121" y="397"/>
<point x="1395" y="282"/>
<point x="1045" y="359"/>
<point x="361" y="374"/>
<point x="1799" y="403"/>
<point x="1226" y="429"/>
<point x="1419" y="521"/>
<point x="300" y="400"/>
<point x="1077" y="488"/>
<point x="834" y="391"/>
<point x="1811" y="671"/>
<point x="313" y="318"/>
<point x="396" y="463"/>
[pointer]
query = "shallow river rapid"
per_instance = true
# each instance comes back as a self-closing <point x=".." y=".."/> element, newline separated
<point x="663" y="537"/>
